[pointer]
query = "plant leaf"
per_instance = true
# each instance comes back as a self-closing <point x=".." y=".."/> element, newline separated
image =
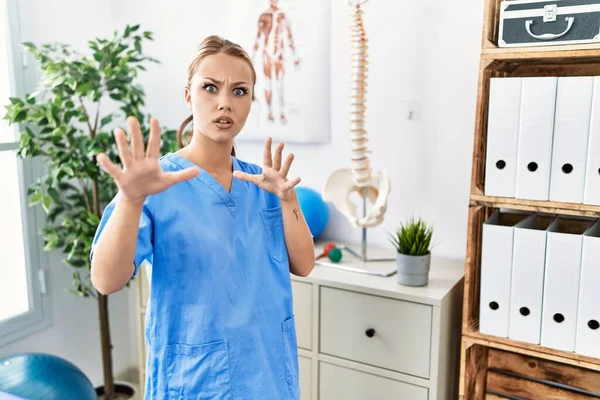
<point x="46" y="202"/>
<point x="36" y="198"/>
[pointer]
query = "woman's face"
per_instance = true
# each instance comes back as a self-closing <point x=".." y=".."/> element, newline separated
<point x="220" y="96"/>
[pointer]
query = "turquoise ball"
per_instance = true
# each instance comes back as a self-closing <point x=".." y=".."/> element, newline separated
<point x="314" y="209"/>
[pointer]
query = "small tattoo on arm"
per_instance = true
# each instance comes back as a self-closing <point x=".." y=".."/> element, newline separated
<point x="296" y="214"/>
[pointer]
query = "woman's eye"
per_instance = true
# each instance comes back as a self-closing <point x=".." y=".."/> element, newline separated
<point x="239" y="92"/>
<point x="210" y="88"/>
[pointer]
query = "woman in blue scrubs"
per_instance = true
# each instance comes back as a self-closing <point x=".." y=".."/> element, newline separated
<point x="219" y="238"/>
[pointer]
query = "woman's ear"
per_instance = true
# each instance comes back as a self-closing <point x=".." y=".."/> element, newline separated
<point x="187" y="97"/>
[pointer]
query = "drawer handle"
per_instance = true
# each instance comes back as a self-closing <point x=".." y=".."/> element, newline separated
<point x="370" y="332"/>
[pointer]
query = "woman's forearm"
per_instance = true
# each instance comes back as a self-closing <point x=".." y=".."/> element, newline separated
<point x="298" y="239"/>
<point x="113" y="258"/>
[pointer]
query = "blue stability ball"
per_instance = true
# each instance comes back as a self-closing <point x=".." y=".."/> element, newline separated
<point x="36" y="376"/>
<point x="314" y="209"/>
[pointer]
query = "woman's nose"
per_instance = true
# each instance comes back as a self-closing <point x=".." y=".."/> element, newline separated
<point x="224" y="102"/>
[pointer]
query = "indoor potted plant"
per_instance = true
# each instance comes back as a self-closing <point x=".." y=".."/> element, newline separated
<point x="62" y="125"/>
<point x="412" y="240"/>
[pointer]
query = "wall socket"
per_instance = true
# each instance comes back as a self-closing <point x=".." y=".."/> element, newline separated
<point x="410" y="110"/>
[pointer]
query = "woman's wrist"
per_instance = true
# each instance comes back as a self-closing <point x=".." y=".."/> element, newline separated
<point x="290" y="197"/>
<point x="132" y="204"/>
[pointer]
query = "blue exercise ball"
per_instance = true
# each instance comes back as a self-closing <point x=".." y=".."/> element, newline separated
<point x="314" y="209"/>
<point x="38" y="376"/>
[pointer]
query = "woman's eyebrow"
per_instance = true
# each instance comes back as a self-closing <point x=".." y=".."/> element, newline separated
<point x="221" y="82"/>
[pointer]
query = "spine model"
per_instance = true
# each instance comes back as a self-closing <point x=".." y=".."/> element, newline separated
<point x="361" y="167"/>
<point x="372" y="187"/>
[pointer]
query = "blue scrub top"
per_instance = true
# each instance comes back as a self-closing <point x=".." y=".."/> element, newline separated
<point x="219" y="322"/>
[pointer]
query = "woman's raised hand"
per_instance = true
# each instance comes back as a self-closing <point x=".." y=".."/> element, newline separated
<point x="141" y="174"/>
<point x="274" y="176"/>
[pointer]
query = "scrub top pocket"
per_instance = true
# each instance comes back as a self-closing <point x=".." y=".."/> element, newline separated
<point x="289" y="350"/>
<point x="273" y="222"/>
<point x="198" y="372"/>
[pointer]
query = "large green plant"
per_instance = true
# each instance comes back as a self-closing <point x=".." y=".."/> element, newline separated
<point x="63" y="125"/>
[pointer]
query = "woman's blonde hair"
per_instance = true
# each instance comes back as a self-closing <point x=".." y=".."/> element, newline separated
<point x="214" y="45"/>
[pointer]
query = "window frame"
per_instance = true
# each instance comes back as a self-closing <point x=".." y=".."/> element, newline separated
<point x="39" y="316"/>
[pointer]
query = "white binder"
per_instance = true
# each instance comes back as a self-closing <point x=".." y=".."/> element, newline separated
<point x="502" y="136"/>
<point x="592" y="175"/>
<point x="529" y="256"/>
<point x="496" y="267"/>
<point x="588" y="314"/>
<point x="561" y="283"/>
<point x="570" y="142"/>
<point x="535" y="138"/>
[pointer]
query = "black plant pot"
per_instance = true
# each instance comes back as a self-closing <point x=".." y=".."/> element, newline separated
<point x="123" y="390"/>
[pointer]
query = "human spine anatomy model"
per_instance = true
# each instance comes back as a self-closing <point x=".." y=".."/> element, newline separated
<point x="342" y="183"/>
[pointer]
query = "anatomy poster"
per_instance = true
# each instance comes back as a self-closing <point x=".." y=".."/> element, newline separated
<point x="288" y="41"/>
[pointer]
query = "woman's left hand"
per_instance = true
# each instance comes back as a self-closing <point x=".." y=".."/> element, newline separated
<point x="274" y="174"/>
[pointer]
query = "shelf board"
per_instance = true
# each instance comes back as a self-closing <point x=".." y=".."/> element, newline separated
<point x="532" y="350"/>
<point x="551" y="207"/>
<point x="570" y="52"/>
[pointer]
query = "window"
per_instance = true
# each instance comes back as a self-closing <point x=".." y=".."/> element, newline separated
<point x="21" y="275"/>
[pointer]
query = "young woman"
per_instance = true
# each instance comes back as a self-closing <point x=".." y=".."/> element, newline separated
<point x="220" y="237"/>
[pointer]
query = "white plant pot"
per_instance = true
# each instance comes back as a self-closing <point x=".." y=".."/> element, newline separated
<point x="413" y="270"/>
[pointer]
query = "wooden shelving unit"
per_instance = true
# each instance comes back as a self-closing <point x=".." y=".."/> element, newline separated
<point x="499" y="368"/>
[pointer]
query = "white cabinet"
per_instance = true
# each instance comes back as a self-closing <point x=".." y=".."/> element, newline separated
<point x="363" y="337"/>
<point x="305" y="372"/>
<point x="372" y="338"/>
<point x="303" y="313"/>
<point x="372" y="330"/>
<point x="349" y="384"/>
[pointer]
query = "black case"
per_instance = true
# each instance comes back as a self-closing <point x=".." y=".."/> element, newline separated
<point x="541" y="22"/>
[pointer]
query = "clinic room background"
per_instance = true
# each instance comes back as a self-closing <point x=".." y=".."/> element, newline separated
<point x="436" y="276"/>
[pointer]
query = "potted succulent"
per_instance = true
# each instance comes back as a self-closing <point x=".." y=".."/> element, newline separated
<point x="66" y="123"/>
<point x="412" y="240"/>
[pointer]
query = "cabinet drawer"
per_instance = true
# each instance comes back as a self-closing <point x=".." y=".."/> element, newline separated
<point x="144" y="285"/>
<point x="305" y="377"/>
<point x="337" y="382"/>
<point x="302" y="293"/>
<point x="380" y="331"/>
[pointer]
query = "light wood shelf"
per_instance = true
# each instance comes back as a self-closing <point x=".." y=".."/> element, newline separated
<point x="481" y="354"/>
<point x="550" y="207"/>
<point x="573" y="52"/>
<point x="533" y="350"/>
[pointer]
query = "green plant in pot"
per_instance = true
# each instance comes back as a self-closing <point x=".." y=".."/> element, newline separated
<point x="65" y="124"/>
<point x="412" y="240"/>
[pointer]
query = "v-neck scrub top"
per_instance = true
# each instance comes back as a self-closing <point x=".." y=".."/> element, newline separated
<point x="219" y="322"/>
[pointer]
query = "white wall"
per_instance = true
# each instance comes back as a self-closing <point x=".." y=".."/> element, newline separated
<point x="421" y="52"/>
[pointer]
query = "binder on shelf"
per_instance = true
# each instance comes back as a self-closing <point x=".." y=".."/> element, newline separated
<point x="570" y="139"/>
<point x="592" y="174"/>
<point x="496" y="269"/>
<point x="561" y="282"/>
<point x="536" y="126"/>
<point x="527" y="285"/>
<point x="502" y="137"/>
<point x="588" y="314"/>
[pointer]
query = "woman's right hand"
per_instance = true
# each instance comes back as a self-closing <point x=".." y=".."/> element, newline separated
<point x="141" y="174"/>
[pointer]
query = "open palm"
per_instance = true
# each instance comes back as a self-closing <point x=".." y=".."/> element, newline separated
<point x="274" y="174"/>
<point x="141" y="174"/>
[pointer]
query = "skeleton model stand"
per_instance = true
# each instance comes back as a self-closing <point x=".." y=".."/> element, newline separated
<point x="344" y="182"/>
